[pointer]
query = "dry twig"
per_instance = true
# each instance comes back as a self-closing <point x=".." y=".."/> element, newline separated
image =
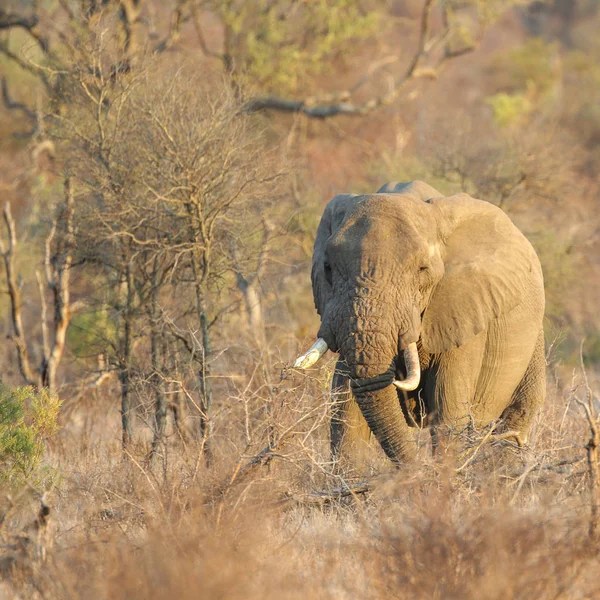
<point x="592" y="450"/>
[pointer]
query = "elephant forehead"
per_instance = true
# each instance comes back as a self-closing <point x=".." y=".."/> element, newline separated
<point x="395" y="207"/>
<point x="367" y="233"/>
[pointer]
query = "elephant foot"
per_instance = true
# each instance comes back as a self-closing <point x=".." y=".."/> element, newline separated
<point x="515" y="436"/>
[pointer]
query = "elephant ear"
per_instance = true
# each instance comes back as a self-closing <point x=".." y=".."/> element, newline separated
<point x="332" y="218"/>
<point x="489" y="267"/>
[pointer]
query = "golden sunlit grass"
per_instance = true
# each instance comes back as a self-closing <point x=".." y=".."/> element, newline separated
<point x="480" y="521"/>
<point x="268" y="516"/>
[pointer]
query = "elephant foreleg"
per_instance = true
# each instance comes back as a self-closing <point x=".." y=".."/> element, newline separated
<point x="528" y="396"/>
<point x="348" y="428"/>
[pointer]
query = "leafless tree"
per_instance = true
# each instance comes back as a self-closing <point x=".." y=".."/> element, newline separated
<point x="58" y="259"/>
<point x="178" y="191"/>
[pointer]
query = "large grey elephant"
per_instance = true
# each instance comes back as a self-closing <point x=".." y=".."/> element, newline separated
<point x="435" y="306"/>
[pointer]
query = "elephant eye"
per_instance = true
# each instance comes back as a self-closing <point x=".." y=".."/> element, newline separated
<point x="424" y="273"/>
<point x="327" y="270"/>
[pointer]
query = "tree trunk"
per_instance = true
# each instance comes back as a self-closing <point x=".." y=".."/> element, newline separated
<point x="253" y="307"/>
<point x="160" y="409"/>
<point x="14" y="292"/>
<point x="205" y="384"/>
<point x="126" y="354"/>
<point x="177" y="400"/>
<point x="58" y="276"/>
<point x="204" y="370"/>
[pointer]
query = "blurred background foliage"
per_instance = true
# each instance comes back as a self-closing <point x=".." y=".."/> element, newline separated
<point x="503" y="104"/>
<point x="280" y="46"/>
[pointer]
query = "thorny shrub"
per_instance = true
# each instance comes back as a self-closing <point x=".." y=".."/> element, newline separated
<point x="271" y="517"/>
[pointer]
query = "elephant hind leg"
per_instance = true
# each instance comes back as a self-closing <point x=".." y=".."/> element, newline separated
<point x="529" y="395"/>
<point x="348" y="428"/>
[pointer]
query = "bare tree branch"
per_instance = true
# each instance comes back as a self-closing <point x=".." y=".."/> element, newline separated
<point x="174" y="27"/>
<point x="199" y="32"/>
<point x="337" y="103"/>
<point x="58" y="276"/>
<point x="13" y="105"/>
<point x="44" y="315"/>
<point x="129" y="13"/>
<point x="58" y="260"/>
<point x="10" y="20"/>
<point x="331" y="496"/>
<point x="14" y="291"/>
<point x="592" y="450"/>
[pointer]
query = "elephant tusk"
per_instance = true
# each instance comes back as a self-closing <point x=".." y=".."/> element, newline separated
<point x="413" y="369"/>
<point x="309" y="358"/>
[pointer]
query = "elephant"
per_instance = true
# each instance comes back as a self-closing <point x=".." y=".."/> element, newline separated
<point x="435" y="305"/>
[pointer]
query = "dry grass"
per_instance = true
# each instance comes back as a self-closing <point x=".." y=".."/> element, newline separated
<point x="482" y="521"/>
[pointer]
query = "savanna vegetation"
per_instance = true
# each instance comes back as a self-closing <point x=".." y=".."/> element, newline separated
<point x="163" y="169"/>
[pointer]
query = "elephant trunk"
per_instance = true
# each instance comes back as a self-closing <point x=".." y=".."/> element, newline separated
<point x="372" y="361"/>
<point x="368" y="351"/>
<point x="383" y="413"/>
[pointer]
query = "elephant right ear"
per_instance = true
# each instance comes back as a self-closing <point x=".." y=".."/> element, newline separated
<point x="332" y="218"/>
<point x="490" y="267"/>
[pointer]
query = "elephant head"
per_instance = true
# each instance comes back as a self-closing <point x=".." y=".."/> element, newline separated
<point x="407" y="266"/>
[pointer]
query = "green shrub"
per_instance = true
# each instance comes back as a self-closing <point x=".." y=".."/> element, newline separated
<point x="526" y="77"/>
<point x="27" y="419"/>
<point x="281" y="49"/>
<point x="591" y="350"/>
<point x="532" y="67"/>
<point x="91" y="333"/>
<point x="509" y="109"/>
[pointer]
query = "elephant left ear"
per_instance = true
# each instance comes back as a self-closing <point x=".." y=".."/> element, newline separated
<point x="490" y="267"/>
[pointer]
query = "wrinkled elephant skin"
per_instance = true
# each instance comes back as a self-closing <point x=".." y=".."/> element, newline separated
<point x="408" y="270"/>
